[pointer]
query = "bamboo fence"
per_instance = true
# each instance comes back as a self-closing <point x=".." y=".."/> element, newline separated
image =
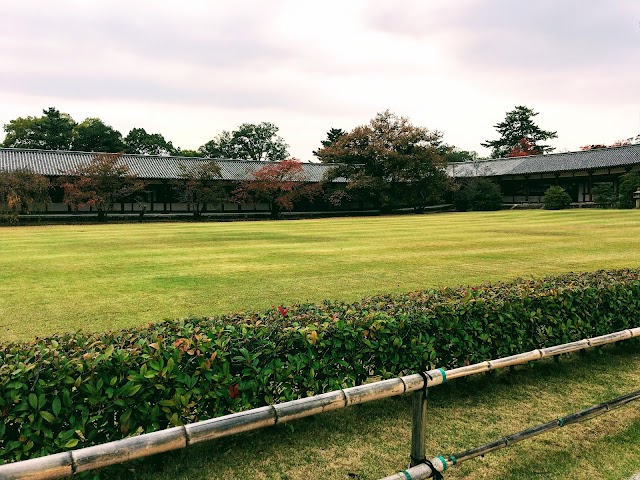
<point x="441" y="463"/>
<point x="66" y="464"/>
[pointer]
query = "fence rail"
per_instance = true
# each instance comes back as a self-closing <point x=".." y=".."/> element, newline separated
<point x="66" y="464"/>
<point x="441" y="463"/>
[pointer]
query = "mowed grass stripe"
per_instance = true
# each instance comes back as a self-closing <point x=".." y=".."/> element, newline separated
<point x="100" y="277"/>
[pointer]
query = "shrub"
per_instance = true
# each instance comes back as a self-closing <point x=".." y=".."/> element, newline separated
<point x="78" y="389"/>
<point x="603" y="195"/>
<point x="629" y="183"/>
<point x="479" y="194"/>
<point x="556" y="198"/>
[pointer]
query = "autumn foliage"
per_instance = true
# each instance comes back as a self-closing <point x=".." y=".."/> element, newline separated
<point x="280" y="184"/>
<point x="23" y="191"/>
<point x="524" y="149"/>
<point x="617" y="143"/>
<point x="99" y="184"/>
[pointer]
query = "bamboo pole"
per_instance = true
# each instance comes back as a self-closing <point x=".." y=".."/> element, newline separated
<point x="418" y="427"/>
<point x="441" y="463"/>
<point x="60" y="465"/>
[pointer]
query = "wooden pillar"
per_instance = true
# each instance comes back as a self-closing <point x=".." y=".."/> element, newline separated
<point x="590" y="187"/>
<point x="164" y="195"/>
<point x="419" y="427"/>
<point x="526" y="189"/>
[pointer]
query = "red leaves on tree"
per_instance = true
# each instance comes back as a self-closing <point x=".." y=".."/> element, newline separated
<point x="617" y="143"/>
<point x="283" y="311"/>
<point x="524" y="149"/>
<point x="280" y="184"/>
<point x="100" y="183"/>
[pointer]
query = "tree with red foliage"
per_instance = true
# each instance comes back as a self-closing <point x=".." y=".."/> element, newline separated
<point x="617" y="143"/>
<point x="280" y="184"/>
<point x="524" y="149"/>
<point x="23" y="191"/>
<point x="99" y="184"/>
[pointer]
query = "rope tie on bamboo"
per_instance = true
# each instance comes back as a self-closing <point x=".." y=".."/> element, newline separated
<point x="434" y="471"/>
<point x="425" y="377"/>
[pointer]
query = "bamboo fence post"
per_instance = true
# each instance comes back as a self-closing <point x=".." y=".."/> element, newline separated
<point x="419" y="426"/>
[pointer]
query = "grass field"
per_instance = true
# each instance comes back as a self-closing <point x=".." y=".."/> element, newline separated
<point x="103" y="277"/>
<point x="98" y="277"/>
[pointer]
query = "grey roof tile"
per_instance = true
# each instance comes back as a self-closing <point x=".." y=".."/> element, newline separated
<point x="53" y="162"/>
<point x="628" y="155"/>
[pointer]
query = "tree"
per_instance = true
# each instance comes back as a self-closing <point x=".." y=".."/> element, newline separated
<point x="629" y="183"/>
<point x="389" y="163"/>
<point x="249" y="142"/>
<point x="332" y="137"/>
<point x="142" y="143"/>
<point x="199" y="186"/>
<point x="519" y="125"/>
<point x="93" y="135"/>
<point x="524" y="149"/>
<point x="617" y="143"/>
<point x="279" y="184"/>
<point x="23" y="191"/>
<point x="457" y="155"/>
<point x="99" y="184"/>
<point x="52" y="131"/>
<point x="187" y="153"/>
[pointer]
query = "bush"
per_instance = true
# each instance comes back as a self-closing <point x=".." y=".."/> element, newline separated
<point x="9" y="218"/>
<point x="77" y="390"/>
<point x="629" y="183"/>
<point x="479" y="194"/>
<point x="556" y="198"/>
<point x="603" y="195"/>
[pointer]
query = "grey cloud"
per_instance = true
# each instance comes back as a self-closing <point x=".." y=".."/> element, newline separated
<point x="527" y="36"/>
<point x="94" y="86"/>
<point x="238" y="39"/>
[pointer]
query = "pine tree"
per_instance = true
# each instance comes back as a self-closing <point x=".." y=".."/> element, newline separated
<point x="517" y="126"/>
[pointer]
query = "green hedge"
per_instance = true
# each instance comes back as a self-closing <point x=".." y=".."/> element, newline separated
<point x="79" y="389"/>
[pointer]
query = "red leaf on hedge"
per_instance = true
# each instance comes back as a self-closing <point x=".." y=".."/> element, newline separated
<point x="234" y="392"/>
<point x="283" y="311"/>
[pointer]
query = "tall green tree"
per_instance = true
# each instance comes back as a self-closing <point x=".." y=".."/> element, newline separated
<point x="518" y="125"/>
<point x="389" y="163"/>
<point x="332" y="137"/>
<point x="52" y="131"/>
<point x="259" y="142"/>
<point x="143" y="143"/>
<point x="93" y="135"/>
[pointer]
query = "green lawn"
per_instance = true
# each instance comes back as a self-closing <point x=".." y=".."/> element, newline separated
<point x="101" y="277"/>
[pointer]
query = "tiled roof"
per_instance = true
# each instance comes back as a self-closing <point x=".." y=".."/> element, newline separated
<point x="54" y="162"/>
<point x="556" y="162"/>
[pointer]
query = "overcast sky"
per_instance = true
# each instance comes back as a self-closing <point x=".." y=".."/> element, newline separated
<point x="189" y="70"/>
